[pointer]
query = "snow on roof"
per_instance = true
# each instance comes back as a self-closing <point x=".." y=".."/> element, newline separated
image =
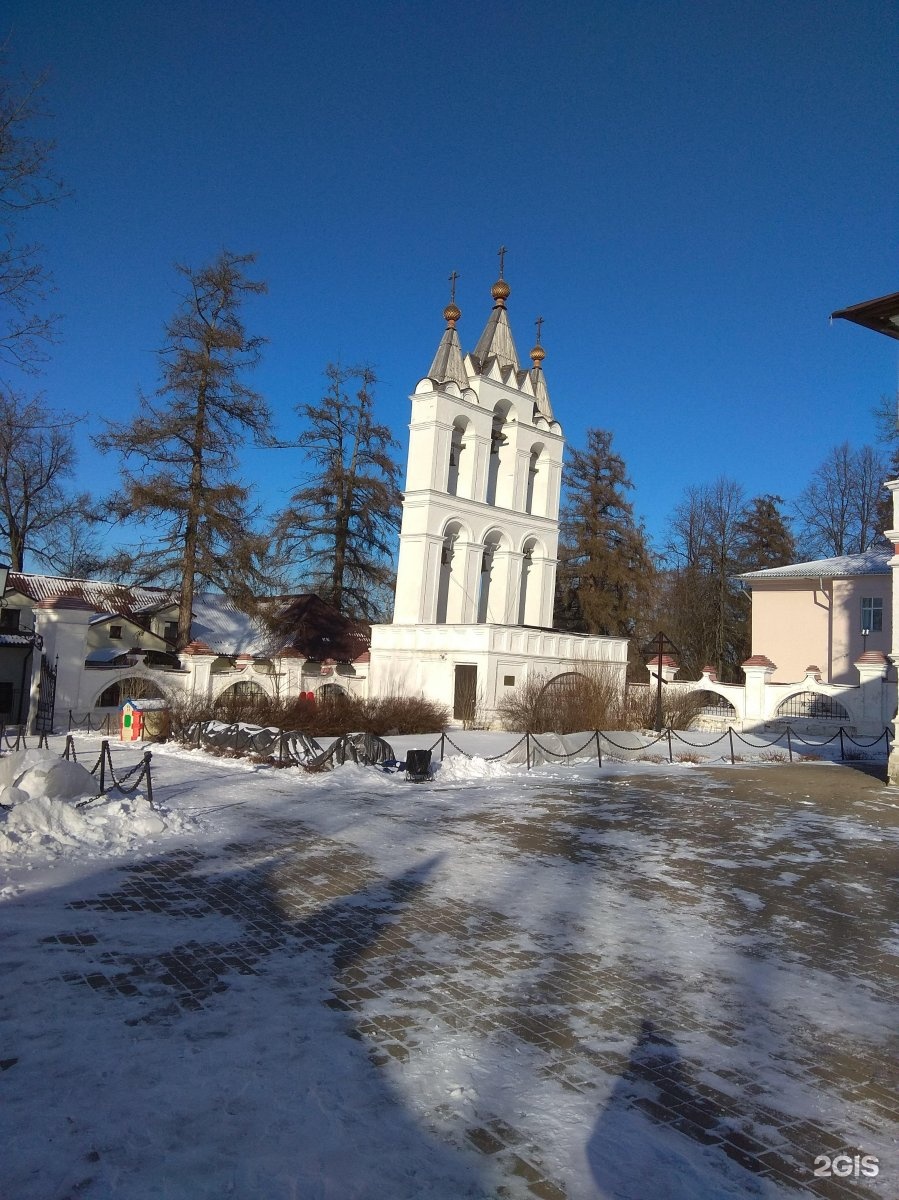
<point x="225" y="629"/>
<point x="872" y="562"/>
<point x="107" y="655"/>
<point x="100" y="594"/>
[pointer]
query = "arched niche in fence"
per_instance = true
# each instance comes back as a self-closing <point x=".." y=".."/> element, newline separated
<point x="712" y="705"/>
<point x="812" y="706"/>
<point x="132" y="687"/>
<point x="241" y="702"/>
<point x="556" y="699"/>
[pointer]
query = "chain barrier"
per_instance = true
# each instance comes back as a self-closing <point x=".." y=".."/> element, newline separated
<point x="86" y="723"/>
<point x="19" y="741"/>
<point x="669" y="736"/>
<point x="104" y="763"/>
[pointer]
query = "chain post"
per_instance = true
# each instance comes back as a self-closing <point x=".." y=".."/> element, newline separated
<point x="598" y="748"/>
<point x="527" y="749"/>
<point x="147" y="757"/>
<point x="789" y="744"/>
<point x="730" y="738"/>
<point x="104" y="746"/>
<point x="842" y="748"/>
<point x="670" y="750"/>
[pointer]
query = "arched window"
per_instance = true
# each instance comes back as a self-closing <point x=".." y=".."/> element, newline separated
<point x="487" y="560"/>
<point x="451" y="567"/>
<point x="527" y="562"/>
<point x="458" y="459"/>
<point x="498" y="440"/>
<point x="533" y="468"/>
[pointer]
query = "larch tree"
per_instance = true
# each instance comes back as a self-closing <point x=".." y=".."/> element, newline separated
<point x="338" y="533"/>
<point x="37" y="457"/>
<point x="605" y="570"/>
<point x="179" y="454"/>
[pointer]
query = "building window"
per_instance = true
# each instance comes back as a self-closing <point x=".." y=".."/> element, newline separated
<point x="9" y="620"/>
<point x="872" y="614"/>
<point x="508" y="681"/>
<point x="170" y="632"/>
<point x="115" y="632"/>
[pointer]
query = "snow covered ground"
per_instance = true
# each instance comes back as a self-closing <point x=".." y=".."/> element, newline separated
<point x="640" y="982"/>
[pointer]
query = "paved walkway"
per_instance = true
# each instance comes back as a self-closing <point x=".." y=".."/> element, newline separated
<point x="777" y="1047"/>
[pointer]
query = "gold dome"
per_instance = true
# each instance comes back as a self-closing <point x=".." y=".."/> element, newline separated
<point x="451" y="314"/>
<point x="537" y="355"/>
<point x="500" y="291"/>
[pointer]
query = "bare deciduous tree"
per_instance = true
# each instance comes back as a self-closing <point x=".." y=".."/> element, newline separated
<point x="185" y="442"/>
<point x="26" y="183"/>
<point x="37" y="457"/>
<point x="837" y="512"/>
<point x="707" y="616"/>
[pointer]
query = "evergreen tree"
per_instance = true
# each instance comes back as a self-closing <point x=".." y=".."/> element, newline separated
<point x="605" y="571"/>
<point x="766" y="539"/>
<point x="185" y="441"/>
<point x="338" y="532"/>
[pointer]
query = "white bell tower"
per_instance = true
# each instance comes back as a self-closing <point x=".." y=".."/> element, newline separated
<point x="476" y="575"/>
<point x="480" y="527"/>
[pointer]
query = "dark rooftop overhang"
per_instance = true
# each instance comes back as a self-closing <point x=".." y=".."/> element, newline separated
<point x="881" y="315"/>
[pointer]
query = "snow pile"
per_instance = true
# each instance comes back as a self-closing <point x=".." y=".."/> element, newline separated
<point x="42" y="814"/>
<point x="459" y="769"/>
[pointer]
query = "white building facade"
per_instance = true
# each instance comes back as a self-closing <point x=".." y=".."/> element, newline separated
<point x="480" y="531"/>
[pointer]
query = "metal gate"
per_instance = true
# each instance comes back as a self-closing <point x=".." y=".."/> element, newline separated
<point x="46" y="697"/>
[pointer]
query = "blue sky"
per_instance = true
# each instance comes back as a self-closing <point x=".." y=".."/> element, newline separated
<point x="687" y="190"/>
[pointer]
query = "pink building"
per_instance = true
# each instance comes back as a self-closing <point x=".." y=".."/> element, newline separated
<point x="825" y="613"/>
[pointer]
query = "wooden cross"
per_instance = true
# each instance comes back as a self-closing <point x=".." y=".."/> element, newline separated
<point x="453" y="277"/>
<point x="502" y="254"/>
<point x="538" y="323"/>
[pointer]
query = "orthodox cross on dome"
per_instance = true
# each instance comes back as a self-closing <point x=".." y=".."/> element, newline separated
<point x="454" y="275"/>
<point x="502" y="256"/>
<point x="538" y="353"/>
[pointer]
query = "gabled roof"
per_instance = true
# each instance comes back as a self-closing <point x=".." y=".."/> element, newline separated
<point x="881" y="315"/>
<point x="875" y="561"/>
<point x="219" y="623"/>
<point x="98" y="594"/>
